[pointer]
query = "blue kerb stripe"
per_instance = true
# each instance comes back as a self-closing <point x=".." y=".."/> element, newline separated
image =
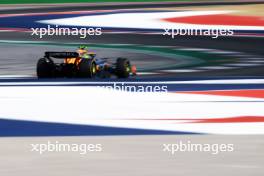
<point x="19" y="128"/>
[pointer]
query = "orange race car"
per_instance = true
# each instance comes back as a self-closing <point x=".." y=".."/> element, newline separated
<point x="82" y="64"/>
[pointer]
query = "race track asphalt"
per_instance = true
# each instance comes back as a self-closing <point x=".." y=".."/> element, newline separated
<point x="251" y="46"/>
<point x="133" y="155"/>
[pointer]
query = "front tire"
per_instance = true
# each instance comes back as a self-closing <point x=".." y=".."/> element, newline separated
<point x="122" y="68"/>
<point x="45" y="68"/>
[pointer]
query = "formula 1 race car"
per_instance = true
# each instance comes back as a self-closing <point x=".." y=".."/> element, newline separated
<point x="75" y="66"/>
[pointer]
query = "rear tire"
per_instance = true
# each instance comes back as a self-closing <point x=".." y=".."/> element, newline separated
<point x="45" y="68"/>
<point x="87" y="68"/>
<point x="122" y="68"/>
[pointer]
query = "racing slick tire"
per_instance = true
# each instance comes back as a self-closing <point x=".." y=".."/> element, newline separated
<point x="87" y="68"/>
<point x="122" y="68"/>
<point x="45" y="68"/>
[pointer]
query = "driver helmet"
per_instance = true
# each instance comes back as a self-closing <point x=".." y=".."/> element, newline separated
<point x="82" y="49"/>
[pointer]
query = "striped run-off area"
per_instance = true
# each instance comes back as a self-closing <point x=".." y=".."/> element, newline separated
<point x="198" y="106"/>
<point x="139" y="21"/>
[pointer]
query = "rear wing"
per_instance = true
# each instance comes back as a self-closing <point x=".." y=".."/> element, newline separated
<point x="61" y="55"/>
